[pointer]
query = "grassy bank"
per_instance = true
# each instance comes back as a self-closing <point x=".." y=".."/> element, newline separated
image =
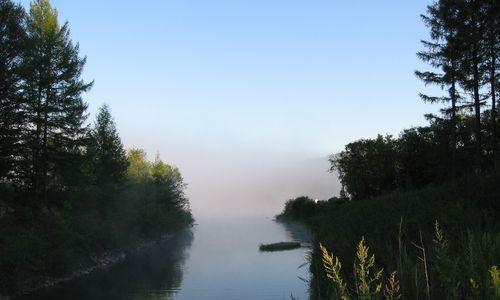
<point x="396" y="226"/>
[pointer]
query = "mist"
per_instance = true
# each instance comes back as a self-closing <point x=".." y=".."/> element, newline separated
<point x="254" y="183"/>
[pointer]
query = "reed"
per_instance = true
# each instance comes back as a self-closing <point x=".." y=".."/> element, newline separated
<point x="368" y="278"/>
<point x="495" y="280"/>
<point x="332" y="267"/>
<point x="436" y="272"/>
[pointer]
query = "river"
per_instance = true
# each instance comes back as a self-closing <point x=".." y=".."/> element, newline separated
<point x="218" y="259"/>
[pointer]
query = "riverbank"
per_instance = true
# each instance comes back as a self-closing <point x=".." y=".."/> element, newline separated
<point x="93" y="263"/>
<point x="468" y="221"/>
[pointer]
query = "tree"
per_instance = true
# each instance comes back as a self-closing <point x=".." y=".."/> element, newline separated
<point x="12" y="46"/>
<point x="139" y="170"/>
<point x="492" y="37"/>
<point x="109" y="161"/>
<point x="471" y="35"/>
<point x="444" y="52"/>
<point x="367" y="168"/>
<point x="169" y="183"/>
<point x="54" y="87"/>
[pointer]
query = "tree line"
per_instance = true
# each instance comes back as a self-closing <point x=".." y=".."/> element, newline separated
<point x="68" y="189"/>
<point x="463" y="54"/>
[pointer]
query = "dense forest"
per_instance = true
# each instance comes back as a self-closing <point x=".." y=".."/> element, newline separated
<point x="424" y="206"/>
<point x="69" y="191"/>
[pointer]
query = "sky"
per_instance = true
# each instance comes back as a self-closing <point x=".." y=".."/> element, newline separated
<point x="248" y="98"/>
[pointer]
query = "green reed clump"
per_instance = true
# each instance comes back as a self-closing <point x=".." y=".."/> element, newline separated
<point x="495" y="281"/>
<point x="368" y="278"/>
<point x="447" y="273"/>
<point x="332" y="267"/>
<point x="434" y="272"/>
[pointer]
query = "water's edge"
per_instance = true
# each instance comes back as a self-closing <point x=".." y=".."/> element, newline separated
<point x="97" y="262"/>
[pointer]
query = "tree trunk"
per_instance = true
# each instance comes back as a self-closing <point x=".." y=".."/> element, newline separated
<point x="493" y="99"/>
<point x="453" y="97"/>
<point x="44" y="148"/>
<point x="36" y="148"/>
<point x="477" y="107"/>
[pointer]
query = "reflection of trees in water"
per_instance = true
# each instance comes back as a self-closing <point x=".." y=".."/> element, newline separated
<point x="155" y="273"/>
<point x="299" y="232"/>
<point x="296" y="231"/>
<point x="158" y="273"/>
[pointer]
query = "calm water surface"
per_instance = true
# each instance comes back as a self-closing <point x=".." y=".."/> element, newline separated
<point x="219" y="260"/>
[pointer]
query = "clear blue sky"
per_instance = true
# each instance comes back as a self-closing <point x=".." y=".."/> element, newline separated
<point x="250" y="82"/>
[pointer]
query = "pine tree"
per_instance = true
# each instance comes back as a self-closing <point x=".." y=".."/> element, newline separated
<point x="443" y="53"/>
<point x="54" y="89"/>
<point x="109" y="160"/>
<point x="471" y="35"/>
<point x="12" y="46"/>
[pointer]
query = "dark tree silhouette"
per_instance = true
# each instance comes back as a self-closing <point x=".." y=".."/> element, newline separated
<point x="106" y="157"/>
<point x="492" y="37"/>
<point x="12" y="34"/>
<point x="443" y="53"/>
<point x="106" y="150"/>
<point x="54" y="87"/>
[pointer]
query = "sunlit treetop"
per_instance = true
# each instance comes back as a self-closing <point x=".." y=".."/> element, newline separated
<point x="43" y="17"/>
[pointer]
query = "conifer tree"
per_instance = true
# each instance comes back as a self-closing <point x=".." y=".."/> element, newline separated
<point x="471" y="34"/>
<point x="54" y="88"/>
<point x="444" y="53"/>
<point x="12" y="46"/>
<point x="109" y="160"/>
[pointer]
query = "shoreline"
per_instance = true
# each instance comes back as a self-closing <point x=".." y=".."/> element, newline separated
<point x="99" y="262"/>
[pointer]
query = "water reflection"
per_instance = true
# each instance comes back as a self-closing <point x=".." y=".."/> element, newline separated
<point x="155" y="273"/>
<point x="297" y="232"/>
<point x="224" y="263"/>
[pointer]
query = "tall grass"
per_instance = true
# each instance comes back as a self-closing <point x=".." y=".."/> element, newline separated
<point x="432" y="272"/>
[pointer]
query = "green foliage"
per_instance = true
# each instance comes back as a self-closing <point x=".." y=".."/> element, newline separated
<point x="108" y="158"/>
<point x="418" y="157"/>
<point x="445" y="267"/>
<point x="12" y="47"/>
<point x="300" y="208"/>
<point x="139" y="169"/>
<point x="367" y="167"/>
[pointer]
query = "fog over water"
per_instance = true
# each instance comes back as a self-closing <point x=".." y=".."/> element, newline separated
<point x="252" y="182"/>
<point x="256" y="187"/>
